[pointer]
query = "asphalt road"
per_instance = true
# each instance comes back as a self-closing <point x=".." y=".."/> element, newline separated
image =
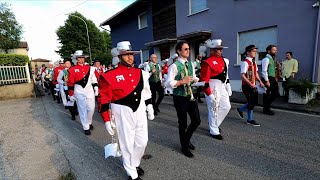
<point x="285" y="146"/>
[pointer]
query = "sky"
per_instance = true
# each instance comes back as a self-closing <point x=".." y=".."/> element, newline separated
<point x="41" y="18"/>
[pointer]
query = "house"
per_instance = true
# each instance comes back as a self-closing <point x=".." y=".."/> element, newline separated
<point x="133" y="24"/>
<point x="22" y="49"/>
<point x="37" y="63"/>
<point x="291" y="26"/>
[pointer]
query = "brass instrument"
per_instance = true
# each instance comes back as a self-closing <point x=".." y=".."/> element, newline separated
<point x="114" y="138"/>
<point x="188" y="86"/>
<point x="156" y="72"/>
<point x="279" y="69"/>
<point x="65" y="77"/>
<point x="214" y="103"/>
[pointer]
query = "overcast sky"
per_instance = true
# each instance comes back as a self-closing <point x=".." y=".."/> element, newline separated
<point x="41" y="18"/>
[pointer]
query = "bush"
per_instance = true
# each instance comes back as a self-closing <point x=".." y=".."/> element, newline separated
<point x="301" y="86"/>
<point x="13" y="59"/>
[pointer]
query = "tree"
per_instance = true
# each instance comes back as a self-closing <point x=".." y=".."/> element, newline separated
<point x="73" y="36"/>
<point x="10" y="29"/>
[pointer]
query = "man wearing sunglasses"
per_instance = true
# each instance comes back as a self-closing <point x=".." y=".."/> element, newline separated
<point x="214" y="72"/>
<point x="180" y="75"/>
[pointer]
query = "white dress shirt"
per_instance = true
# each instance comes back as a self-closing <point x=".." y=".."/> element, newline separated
<point x="264" y="70"/>
<point x="244" y="66"/>
<point x="147" y="69"/>
<point x="173" y="72"/>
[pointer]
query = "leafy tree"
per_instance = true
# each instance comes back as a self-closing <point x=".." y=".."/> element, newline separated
<point x="73" y="36"/>
<point x="10" y="29"/>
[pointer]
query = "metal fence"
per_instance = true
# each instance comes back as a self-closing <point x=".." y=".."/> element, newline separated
<point x="14" y="74"/>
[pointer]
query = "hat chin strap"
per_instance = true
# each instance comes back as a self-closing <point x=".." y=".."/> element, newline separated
<point x="126" y="64"/>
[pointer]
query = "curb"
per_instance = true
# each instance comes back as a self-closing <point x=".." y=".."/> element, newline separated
<point x="284" y="108"/>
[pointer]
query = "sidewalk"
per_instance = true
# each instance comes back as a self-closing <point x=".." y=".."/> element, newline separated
<point x="29" y="149"/>
<point x="312" y="107"/>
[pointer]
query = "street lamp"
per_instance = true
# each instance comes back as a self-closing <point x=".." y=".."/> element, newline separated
<point x="87" y="34"/>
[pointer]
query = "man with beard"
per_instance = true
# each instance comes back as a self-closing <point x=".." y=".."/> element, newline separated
<point x="269" y="79"/>
<point x="125" y="95"/>
<point x="214" y="72"/>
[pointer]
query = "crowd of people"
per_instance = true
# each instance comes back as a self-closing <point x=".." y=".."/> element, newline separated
<point x="128" y="97"/>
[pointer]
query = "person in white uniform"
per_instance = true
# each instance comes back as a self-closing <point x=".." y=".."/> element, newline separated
<point x="214" y="72"/>
<point x="126" y="90"/>
<point x="83" y="87"/>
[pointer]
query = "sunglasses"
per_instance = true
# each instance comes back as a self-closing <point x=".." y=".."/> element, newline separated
<point x="186" y="49"/>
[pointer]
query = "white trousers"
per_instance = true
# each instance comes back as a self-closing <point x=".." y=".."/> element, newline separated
<point x="132" y="129"/>
<point x="86" y="106"/>
<point x="223" y="109"/>
<point x="63" y="95"/>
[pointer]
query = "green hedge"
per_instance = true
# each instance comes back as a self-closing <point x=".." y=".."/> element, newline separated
<point x="301" y="86"/>
<point x="13" y="59"/>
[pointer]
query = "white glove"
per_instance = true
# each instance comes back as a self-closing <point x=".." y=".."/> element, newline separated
<point x="110" y="126"/>
<point x="96" y="91"/>
<point x="228" y="88"/>
<point x="150" y="112"/>
<point x="72" y="98"/>
<point x="211" y="97"/>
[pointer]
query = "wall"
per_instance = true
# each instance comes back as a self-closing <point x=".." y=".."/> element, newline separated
<point x="296" y="23"/>
<point x="128" y="30"/>
<point x="21" y="51"/>
<point x="16" y="91"/>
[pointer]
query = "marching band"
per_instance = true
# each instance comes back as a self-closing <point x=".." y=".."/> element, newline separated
<point x="126" y="96"/>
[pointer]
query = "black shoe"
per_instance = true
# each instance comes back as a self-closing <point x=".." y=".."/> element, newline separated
<point x="87" y="132"/>
<point x="187" y="153"/>
<point x="155" y="113"/>
<point x="157" y="110"/>
<point x="77" y="113"/>
<point x="219" y="137"/>
<point x="140" y="171"/>
<point x="240" y="114"/>
<point x="268" y="112"/>
<point x="138" y="178"/>
<point x="191" y="146"/>
<point x="253" y="123"/>
<point x="91" y="127"/>
<point x="220" y="131"/>
<point x="66" y="107"/>
<point x="200" y="101"/>
<point x="73" y="118"/>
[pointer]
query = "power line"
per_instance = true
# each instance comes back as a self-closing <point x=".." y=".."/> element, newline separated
<point x="64" y="12"/>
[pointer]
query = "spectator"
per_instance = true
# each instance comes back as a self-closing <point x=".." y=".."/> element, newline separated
<point x="289" y="69"/>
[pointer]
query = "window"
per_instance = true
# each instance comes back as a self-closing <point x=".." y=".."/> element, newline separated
<point x="164" y="52"/>
<point x="144" y="55"/>
<point x="261" y="38"/>
<point x="142" y="20"/>
<point x="196" y="6"/>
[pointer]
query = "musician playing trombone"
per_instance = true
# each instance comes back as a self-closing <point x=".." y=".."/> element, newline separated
<point x="181" y="74"/>
<point x="214" y="72"/>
